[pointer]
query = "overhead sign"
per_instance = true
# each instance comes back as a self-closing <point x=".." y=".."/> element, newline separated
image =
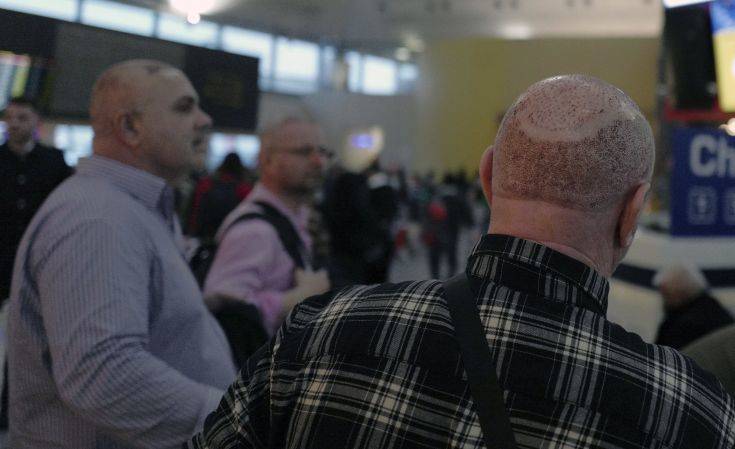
<point x="703" y="182"/>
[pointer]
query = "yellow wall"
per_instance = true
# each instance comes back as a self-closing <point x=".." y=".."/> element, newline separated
<point x="466" y="84"/>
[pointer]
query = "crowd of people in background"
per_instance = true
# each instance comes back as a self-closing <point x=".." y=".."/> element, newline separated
<point x="142" y="285"/>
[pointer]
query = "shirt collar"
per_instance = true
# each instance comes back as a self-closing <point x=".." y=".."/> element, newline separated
<point x="149" y="189"/>
<point x="538" y="270"/>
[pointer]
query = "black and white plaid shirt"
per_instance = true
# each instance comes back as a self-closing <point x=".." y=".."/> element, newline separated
<point x="379" y="367"/>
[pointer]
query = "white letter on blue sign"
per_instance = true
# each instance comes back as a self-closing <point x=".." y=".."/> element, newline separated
<point x="725" y="160"/>
<point x="700" y="167"/>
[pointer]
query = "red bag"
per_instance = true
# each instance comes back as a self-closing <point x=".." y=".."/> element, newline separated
<point x="437" y="211"/>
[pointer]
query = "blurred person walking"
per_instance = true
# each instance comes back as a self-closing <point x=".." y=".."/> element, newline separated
<point x="110" y="343"/>
<point x="359" y="209"/>
<point x="393" y="365"/>
<point x="216" y="196"/>
<point x="446" y="215"/>
<point x="690" y="311"/>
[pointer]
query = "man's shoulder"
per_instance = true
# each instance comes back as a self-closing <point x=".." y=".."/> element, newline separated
<point x="247" y="223"/>
<point x="672" y="383"/>
<point x="81" y="199"/>
<point x="386" y="320"/>
<point x="50" y="153"/>
<point x="49" y="149"/>
<point x="249" y="220"/>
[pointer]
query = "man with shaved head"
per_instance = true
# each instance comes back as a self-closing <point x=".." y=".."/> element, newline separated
<point x="380" y="366"/>
<point x="268" y="260"/>
<point x="110" y="344"/>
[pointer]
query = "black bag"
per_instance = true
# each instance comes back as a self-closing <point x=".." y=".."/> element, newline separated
<point x="204" y="255"/>
<point x="243" y="328"/>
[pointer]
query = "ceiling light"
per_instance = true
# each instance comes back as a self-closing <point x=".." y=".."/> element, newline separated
<point x="677" y="3"/>
<point x="193" y="18"/>
<point x="403" y="54"/>
<point x="515" y="31"/>
<point x="414" y="43"/>
<point x="190" y="7"/>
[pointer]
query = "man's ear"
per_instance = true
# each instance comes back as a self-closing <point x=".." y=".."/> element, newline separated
<point x="628" y="219"/>
<point x="486" y="173"/>
<point x="127" y="129"/>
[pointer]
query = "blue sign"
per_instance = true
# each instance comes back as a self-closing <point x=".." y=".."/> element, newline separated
<point x="722" y="13"/>
<point x="703" y="182"/>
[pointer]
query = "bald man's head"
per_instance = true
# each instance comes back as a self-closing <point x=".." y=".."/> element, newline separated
<point x="276" y="135"/>
<point x="122" y="88"/>
<point x="291" y="159"/>
<point x="146" y="114"/>
<point x="573" y="141"/>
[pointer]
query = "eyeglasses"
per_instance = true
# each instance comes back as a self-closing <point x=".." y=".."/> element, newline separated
<point x="310" y="150"/>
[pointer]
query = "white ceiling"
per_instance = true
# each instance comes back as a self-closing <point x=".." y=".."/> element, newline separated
<point x="384" y="24"/>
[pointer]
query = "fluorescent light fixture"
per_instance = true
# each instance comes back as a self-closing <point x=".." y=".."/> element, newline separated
<point x="193" y="17"/>
<point x="414" y="43"/>
<point x="515" y="31"/>
<point x="403" y="54"/>
<point x="677" y="3"/>
<point x="193" y="6"/>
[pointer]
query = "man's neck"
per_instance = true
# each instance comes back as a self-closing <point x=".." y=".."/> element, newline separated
<point x="577" y="234"/>
<point x="111" y="151"/>
<point x="293" y="201"/>
<point x="22" y="149"/>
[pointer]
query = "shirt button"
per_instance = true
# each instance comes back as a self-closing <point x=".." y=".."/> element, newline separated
<point x="21" y="179"/>
<point x="21" y="204"/>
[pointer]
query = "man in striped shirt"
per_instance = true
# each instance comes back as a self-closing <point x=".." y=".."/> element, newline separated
<point x="379" y="366"/>
<point x="110" y="344"/>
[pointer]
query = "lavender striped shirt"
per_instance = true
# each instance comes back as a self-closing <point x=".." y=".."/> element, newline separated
<point x="110" y="345"/>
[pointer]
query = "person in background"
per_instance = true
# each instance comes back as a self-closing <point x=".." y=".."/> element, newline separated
<point x="446" y="215"/>
<point x="383" y="200"/>
<point x="29" y="171"/>
<point x="109" y="341"/>
<point x="358" y="218"/>
<point x="690" y="311"/>
<point x="380" y="366"/>
<point x="216" y="196"/>
<point x="253" y="263"/>
<point x="696" y="322"/>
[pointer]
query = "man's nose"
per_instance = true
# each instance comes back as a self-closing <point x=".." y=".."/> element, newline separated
<point x="205" y="121"/>
<point x="317" y="158"/>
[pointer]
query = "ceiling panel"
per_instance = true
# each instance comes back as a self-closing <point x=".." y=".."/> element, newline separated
<point x="386" y="24"/>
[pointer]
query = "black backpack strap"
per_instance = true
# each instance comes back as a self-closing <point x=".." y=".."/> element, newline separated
<point x="286" y="232"/>
<point x="483" y="381"/>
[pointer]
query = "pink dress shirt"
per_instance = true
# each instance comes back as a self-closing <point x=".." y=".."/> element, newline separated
<point x="251" y="263"/>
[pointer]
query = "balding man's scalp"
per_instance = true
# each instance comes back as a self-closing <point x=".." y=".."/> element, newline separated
<point x="118" y="87"/>
<point x="271" y="133"/>
<point x="573" y="141"/>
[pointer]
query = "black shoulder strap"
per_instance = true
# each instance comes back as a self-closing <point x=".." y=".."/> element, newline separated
<point x="286" y="232"/>
<point x="484" y="385"/>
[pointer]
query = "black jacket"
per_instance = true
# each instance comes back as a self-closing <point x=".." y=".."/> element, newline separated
<point x="25" y="182"/>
